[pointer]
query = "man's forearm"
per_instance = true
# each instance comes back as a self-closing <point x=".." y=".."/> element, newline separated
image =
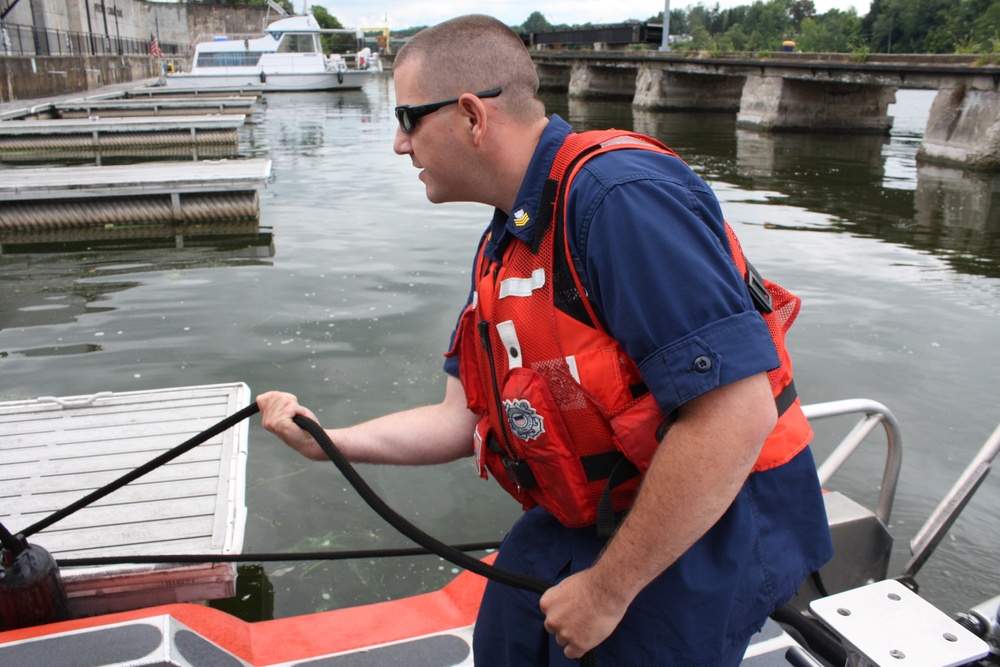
<point x="698" y="470"/>
<point x="426" y="435"/>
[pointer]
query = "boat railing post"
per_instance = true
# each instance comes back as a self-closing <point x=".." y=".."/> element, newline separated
<point x="945" y="514"/>
<point x="872" y="414"/>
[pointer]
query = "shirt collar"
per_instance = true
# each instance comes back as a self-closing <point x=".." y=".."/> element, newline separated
<point x="520" y="223"/>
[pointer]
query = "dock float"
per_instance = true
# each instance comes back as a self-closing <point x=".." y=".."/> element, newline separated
<point x="165" y="91"/>
<point x="64" y="197"/>
<point x="173" y="106"/>
<point x="121" y="154"/>
<point x="32" y="135"/>
<point x="162" y="244"/>
<point x="57" y="450"/>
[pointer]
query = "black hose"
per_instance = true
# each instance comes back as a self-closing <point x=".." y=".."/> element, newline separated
<point x="394" y="519"/>
<point x="280" y="556"/>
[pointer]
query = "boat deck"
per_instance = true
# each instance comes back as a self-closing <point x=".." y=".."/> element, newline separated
<point x="58" y="450"/>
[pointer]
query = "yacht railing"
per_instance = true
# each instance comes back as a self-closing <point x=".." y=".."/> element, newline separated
<point x="872" y="413"/>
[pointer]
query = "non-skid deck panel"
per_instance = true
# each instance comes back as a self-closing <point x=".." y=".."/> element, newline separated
<point x="165" y="641"/>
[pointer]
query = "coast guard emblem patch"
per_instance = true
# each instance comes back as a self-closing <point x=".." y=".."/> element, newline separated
<point x="524" y="422"/>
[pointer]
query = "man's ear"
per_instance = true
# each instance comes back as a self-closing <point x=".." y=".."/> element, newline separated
<point x="475" y="115"/>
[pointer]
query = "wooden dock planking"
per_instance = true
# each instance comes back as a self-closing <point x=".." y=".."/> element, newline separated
<point x="194" y="504"/>
<point x="22" y="128"/>
<point x="189" y="480"/>
<point x="172" y="106"/>
<point x="147" y="178"/>
<point x="164" y="91"/>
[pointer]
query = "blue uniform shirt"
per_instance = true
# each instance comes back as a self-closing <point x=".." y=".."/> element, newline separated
<point x="648" y="241"/>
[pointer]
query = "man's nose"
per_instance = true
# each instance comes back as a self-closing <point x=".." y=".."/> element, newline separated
<point x="401" y="143"/>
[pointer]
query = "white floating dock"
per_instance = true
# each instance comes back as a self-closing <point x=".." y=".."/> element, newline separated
<point x="165" y="91"/>
<point x="57" y="450"/>
<point x="31" y="135"/>
<point x="173" y="106"/>
<point x="62" y="197"/>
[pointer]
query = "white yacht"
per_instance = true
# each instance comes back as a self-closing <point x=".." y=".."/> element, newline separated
<point x="288" y="57"/>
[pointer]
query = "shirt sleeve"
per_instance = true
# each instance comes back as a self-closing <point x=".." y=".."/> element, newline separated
<point x="649" y="242"/>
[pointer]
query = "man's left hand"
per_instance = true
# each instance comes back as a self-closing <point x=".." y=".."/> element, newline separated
<point x="581" y="611"/>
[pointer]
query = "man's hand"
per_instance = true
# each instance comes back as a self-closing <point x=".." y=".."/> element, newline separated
<point x="582" y="611"/>
<point x="277" y="409"/>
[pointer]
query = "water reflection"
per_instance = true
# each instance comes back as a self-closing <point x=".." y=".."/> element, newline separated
<point x="55" y="277"/>
<point x="960" y="212"/>
<point x="866" y="185"/>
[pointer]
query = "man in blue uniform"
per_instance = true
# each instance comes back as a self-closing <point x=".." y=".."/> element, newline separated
<point x="709" y="548"/>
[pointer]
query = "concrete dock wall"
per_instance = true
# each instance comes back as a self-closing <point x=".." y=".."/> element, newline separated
<point x="34" y="77"/>
<point x="57" y="71"/>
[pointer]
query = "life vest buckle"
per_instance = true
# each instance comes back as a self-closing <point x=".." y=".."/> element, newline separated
<point x="758" y="290"/>
<point x="519" y="473"/>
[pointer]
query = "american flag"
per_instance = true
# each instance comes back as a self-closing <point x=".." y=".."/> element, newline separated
<point x="154" y="47"/>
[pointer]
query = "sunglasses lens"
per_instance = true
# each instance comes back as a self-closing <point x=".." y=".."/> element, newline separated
<point x="404" y="118"/>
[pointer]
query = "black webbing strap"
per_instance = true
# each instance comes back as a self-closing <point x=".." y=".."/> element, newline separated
<point x="786" y="398"/>
<point x="617" y="469"/>
<point x="623" y="471"/>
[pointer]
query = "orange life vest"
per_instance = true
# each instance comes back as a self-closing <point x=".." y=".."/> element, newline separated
<point x="567" y="422"/>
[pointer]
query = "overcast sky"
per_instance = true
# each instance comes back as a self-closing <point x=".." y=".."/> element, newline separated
<point x="407" y="13"/>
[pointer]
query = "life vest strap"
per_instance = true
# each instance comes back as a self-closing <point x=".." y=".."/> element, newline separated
<point x="758" y="290"/>
<point x="596" y="467"/>
<point x="786" y="398"/>
<point x="612" y="466"/>
<point x="607" y="520"/>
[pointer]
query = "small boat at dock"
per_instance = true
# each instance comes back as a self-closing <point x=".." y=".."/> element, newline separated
<point x="850" y="612"/>
<point x="288" y="57"/>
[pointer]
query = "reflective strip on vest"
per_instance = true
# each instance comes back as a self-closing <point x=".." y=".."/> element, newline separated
<point x="574" y="371"/>
<point x="522" y="286"/>
<point x="508" y="334"/>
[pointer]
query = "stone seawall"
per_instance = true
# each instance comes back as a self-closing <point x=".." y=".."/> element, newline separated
<point x="34" y="77"/>
<point x="25" y="77"/>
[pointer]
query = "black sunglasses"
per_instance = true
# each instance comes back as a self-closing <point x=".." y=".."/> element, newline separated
<point x="408" y="116"/>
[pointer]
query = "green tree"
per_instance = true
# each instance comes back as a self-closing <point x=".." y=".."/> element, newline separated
<point x="913" y="26"/>
<point x="324" y="18"/>
<point x="768" y="25"/>
<point x="332" y="43"/>
<point x="536" y="22"/>
<point x="800" y="10"/>
<point x="678" y="21"/>
<point x="832" y="32"/>
<point x="986" y="28"/>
